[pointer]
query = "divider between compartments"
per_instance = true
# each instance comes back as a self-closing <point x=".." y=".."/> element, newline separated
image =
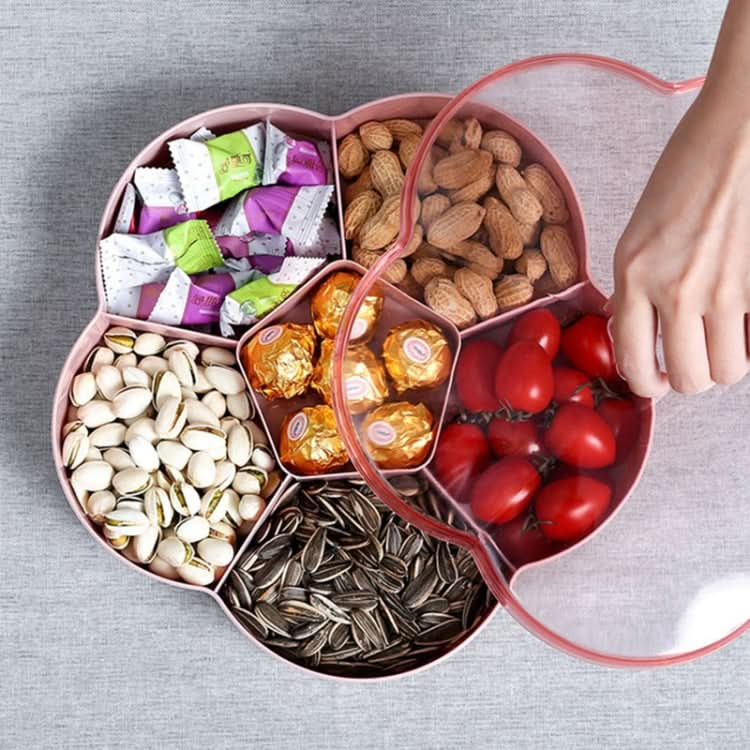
<point x="339" y="192"/>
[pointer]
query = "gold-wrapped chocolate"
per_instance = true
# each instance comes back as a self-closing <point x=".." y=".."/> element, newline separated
<point x="417" y="355"/>
<point x="331" y="298"/>
<point x="310" y="443"/>
<point x="399" y="435"/>
<point x="279" y="360"/>
<point x="364" y="374"/>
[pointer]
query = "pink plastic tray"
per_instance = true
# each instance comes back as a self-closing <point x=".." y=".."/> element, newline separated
<point x="630" y="595"/>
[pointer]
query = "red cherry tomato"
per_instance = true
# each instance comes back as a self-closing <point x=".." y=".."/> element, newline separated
<point x="523" y="378"/>
<point x="580" y="437"/>
<point x="462" y="454"/>
<point x="504" y="490"/>
<point x="539" y="326"/>
<point x="588" y="347"/>
<point x="523" y="543"/>
<point x="569" y="508"/>
<point x="513" y="438"/>
<point x="622" y="417"/>
<point x="572" y="385"/>
<point x="475" y="374"/>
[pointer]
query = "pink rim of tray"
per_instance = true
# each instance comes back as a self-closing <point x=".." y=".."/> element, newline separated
<point x="360" y="459"/>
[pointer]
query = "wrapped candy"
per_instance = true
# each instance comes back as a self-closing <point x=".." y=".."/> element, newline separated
<point x="125" y="220"/>
<point x="289" y="161"/>
<point x="278" y="360"/>
<point x="212" y="171"/>
<point x="132" y="260"/>
<point x="330" y="300"/>
<point x="162" y="199"/>
<point x="252" y="301"/>
<point x="417" y="355"/>
<point x="294" y="212"/>
<point x="309" y="442"/>
<point x="399" y="435"/>
<point x="364" y="377"/>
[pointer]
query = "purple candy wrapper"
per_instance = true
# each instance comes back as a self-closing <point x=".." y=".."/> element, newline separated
<point x="163" y="202"/>
<point x="289" y="161"/>
<point x="294" y="212"/>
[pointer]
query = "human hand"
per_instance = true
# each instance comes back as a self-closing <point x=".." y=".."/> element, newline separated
<point x="682" y="265"/>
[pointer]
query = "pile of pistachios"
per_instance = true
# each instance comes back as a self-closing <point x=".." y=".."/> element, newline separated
<point x="163" y="454"/>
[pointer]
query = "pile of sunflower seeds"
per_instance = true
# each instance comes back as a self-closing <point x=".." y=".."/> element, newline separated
<point x="338" y="582"/>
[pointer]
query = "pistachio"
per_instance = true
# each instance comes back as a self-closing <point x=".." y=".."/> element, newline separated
<point x="171" y="418"/>
<point x="131" y="481"/>
<point x="99" y="356"/>
<point x="108" y="380"/>
<point x="161" y="568"/>
<point x="184" y="499"/>
<point x="214" y="401"/>
<point x="259" y="436"/>
<point x="174" y="475"/>
<point x="161" y="480"/>
<point x="214" y="504"/>
<point x="74" y="449"/>
<point x="81" y="493"/>
<point x="123" y="361"/>
<point x="144" y="545"/>
<point x="173" y="453"/>
<point x="188" y="394"/>
<point x="120" y="340"/>
<point x="225" y="471"/>
<point x="108" y="435"/>
<point x="174" y="551"/>
<point x="99" y="504"/>
<point x="199" y="414"/>
<point x="226" y="423"/>
<point x="94" y="454"/>
<point x="143" y="453"/>
<point x="96" y="413"/>
<point x="118" y="458"/>
<point x="119" y="542"/>
<point x="197" y="572"/>
<point x="74" y="425"/>
<point x="136" y="376"/>
<point x="126" y="522"/>
<point x="201" y="470"/>
<point x="249" y="481"/>
<point x="204" y="438"/>
<point x="83" y="389"/>
<point x="165" y="385"/>
<point x="225" y="379"/>
<point x="158" y="507"/>
<point x="218" y="355"/>
<point x="201" y="383"/>
<point x="251" y="507"/>
<point x="93" y="475"/>
<point x="239" y="445"/>
<point x="131" y="401"/>
<point x="263" y="459"/>
<point x="223" y="531"/>
<point x="271" y="485"/>
<point x="132" y="503"/>
<point x="152" y="365"/>
<point x="181" y="345"/>
<point x="233" y="508"/>
<point x="192" y="529"/>
<point x="238" y="405"/>
<point x="215" y="552"/>
<point x="183" y="366"/>
<point x="148" y="343"/>
<point x="144" y="427"/>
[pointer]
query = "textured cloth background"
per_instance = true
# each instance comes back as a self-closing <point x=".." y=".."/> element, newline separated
<point x="94" y="656"/>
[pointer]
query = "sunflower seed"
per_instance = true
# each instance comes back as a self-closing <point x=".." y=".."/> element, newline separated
<point x="445" y="564"/>
<point x="312" y="554"/>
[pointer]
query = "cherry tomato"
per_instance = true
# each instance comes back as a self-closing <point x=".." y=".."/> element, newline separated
<point x="539" y="326"/>
<point x="504" y="490"/>
<point x="572" y="385"/>
<point x="462" y="454"/>
<point x="569" y="508"/>
<point x="475" y="374"/>
<point x="580" y="437"/>
<point x="523" y="378"/>
<point x="513" y="438"/>
<point x="588" y="347"/>
<point x="622" y="417"/>
<point x="523" y="543"/>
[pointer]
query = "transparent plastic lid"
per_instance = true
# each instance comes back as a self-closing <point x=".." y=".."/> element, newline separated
<point x="661" y="574"/>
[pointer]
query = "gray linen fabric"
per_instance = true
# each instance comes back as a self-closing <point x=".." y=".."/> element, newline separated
<point x="94" y="656"/>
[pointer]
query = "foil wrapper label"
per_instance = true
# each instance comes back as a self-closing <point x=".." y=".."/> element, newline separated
<point x="381" y="433"/>
<point x="357" y="388"/>
<point x="297" y="426"/>
<point x="217" y="169"/>
<point x="294" y="212"/>
<point x="417" y="350"/>
<point x="270" y="335"/>
<point x="291" y="162"/>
